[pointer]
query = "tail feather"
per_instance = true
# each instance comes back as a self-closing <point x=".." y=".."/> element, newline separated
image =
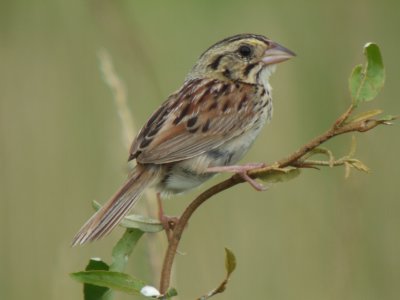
<point x="112" y="212"/>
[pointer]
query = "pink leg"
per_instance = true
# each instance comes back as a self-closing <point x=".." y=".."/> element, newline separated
<point x="241" y="170"/>
<point x="167" y="222"/>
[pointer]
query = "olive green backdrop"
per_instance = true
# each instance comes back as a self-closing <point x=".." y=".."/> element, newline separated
<point x="317" y="237"/>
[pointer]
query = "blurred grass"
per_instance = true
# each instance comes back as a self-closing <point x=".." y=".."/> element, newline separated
<point x="317" y="237"/>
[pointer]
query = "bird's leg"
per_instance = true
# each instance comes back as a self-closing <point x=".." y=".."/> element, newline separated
<point x="241" y="170"/>
<point x="167" y="222"/>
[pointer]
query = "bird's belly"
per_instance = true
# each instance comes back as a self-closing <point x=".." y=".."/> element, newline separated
<point x="188" y="174"/>
<point x="181" y="178"/>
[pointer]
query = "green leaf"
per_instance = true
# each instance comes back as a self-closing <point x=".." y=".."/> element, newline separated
<point x="359" y="165"/>
<point x="113" y="280"/>
<point x="96" y="264"/>
<point x="95" y="292"/>
<point x="366" y="82"/>
<point x="365" y="115"/>
<point x="387" y="119"/>
<point x="279" y="175"/>
<point x="172" y="292"/>
<point x="142" y="223"/>
<point x="137" y="221"/>
<point x="230" y="262"/>
<point x="230" y="266"/>
<point x="124" y="248"/>
<point x="321" y="150"/>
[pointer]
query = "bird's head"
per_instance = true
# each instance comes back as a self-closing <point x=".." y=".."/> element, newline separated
<point x="248" y="58"/>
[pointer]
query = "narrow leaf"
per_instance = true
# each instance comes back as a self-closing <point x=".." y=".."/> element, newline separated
<point x="321" y="150"/>
<point x="366" y="82"/>
<point x="359" y="165"/>
<point x="96" y="263"/>
<point x="230" y="262"/>
<point x="142" y="223"/>
<point x="124" y="248"/>
<point x="279" y="175"/>
<point x="136" y="221"/>
<point x="387" y="120"/>
<point x="230" y="266"/>
<point x="365" y="115"/>
<point x="95" y="292"/>
<point x="113" y="280"/>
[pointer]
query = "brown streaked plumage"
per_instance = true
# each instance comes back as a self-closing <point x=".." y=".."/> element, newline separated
<point x="205" y="127"/>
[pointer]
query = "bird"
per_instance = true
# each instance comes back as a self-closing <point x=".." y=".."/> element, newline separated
<point x="203" y="128"/>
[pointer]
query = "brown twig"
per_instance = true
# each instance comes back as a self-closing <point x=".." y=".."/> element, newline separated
<point x="339" y="127"/>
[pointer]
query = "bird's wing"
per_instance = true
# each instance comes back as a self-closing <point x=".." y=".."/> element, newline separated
<point x="201" y="116"/>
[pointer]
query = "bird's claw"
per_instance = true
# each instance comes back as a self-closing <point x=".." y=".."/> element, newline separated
<point x="242" y="170"/>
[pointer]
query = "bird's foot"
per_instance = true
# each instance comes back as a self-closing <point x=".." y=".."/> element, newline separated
<point x="167" y="222"/>
<point x="241" y="170"/>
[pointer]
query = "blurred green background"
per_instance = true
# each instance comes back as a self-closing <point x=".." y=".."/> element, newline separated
<point x="317" y="237"/>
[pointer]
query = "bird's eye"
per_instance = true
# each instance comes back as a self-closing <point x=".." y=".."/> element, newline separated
<point x="245" y="50"/>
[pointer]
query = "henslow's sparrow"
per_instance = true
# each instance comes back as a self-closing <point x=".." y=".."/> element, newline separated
<point x="205" y="127"/>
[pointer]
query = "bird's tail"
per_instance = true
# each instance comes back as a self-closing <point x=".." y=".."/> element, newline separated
<point x="112" y="212"/>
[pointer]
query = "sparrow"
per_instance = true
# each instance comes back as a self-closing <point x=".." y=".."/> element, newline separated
<point x="202" y="129"/>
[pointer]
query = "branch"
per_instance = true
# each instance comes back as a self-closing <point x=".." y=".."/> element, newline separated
<point x="365" y="83"/>
<point x="295" y="160"/>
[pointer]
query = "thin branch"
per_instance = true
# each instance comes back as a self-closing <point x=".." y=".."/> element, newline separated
<point x="339" y="127"/>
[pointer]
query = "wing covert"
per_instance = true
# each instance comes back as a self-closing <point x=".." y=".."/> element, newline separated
<point x="203" y="115"/>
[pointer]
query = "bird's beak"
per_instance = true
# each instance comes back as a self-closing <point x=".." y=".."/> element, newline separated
<point x="276" y="54"/>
